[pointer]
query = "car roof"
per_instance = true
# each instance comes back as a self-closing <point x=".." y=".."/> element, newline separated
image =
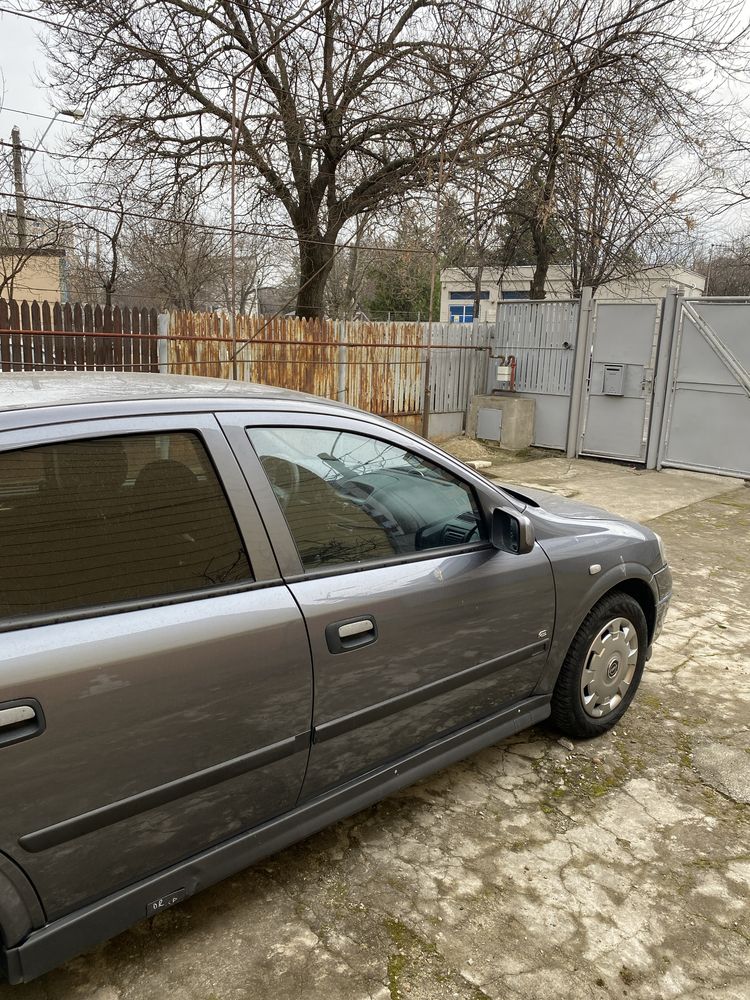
<point x="32" y="390"/>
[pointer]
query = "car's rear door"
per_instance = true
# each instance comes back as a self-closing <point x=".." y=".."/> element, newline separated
<point x="410" y="644"/>
<point x="155" y="676"/>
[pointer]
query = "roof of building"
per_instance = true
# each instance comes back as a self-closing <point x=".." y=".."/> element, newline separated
<point x="561" y="272"/>
<point x="274" y="300"/>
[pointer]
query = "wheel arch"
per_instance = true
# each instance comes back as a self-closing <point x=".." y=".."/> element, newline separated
<point x="633" y="579"/>
<point x="20" y="908"/>
<point x="641" y="592"/>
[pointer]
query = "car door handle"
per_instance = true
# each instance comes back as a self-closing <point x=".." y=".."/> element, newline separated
<point x="352" y="633"/>
<point x="20" y="720"/>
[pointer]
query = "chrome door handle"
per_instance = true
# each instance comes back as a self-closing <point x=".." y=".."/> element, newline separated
<point x="12" y="716"/>
<point x="355" y="628"/>
<point x="20" y="720"/>
<point x="351" y="634"/>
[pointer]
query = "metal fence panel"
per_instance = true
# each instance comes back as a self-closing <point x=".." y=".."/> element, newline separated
<point x="542" y="336"/>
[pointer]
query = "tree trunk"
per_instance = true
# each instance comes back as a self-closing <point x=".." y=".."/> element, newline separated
<point x="315" y="263"/>
<point x="478" y="291"/>
<point x="540" y="226"/>
<point x="542" y="256"/>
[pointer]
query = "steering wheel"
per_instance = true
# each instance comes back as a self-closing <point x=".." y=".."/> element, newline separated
<point x="284" y="477"/>
<point x="473" y="534"/>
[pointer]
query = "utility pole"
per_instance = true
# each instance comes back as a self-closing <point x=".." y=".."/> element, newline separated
<point x="20" y="193"/>
<point x="232" y="236"/>
<point x="427" y="391"/>
<point x="18" y="171"/>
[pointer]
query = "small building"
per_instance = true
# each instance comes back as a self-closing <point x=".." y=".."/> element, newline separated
<point x="275" y="300"/>
<point x="38" y="278"/>
<point x="457" y="288"/>
<point x="34" y="267"/>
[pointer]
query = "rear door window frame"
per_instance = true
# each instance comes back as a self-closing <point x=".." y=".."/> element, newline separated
<point x="263" y="565"/>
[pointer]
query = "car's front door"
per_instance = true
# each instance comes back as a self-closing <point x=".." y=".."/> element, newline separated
<point x="417" y="625"/>
<point x="155" y="676"/>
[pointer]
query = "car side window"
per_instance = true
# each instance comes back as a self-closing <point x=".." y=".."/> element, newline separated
<point x="350" y="498"/>
<point x="112" y="519"/>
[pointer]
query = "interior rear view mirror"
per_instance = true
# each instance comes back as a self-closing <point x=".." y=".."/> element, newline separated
<point x="511" y="531"/>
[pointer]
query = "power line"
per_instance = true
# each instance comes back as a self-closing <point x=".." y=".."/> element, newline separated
<point x="147" y="217"/>
<point x="34" y="114"/>
<point x="64" y="156"/>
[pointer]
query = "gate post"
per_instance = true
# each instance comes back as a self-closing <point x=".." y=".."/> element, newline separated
<point x="162" y="332"/>
<point x="580" y="368"/>
<point x="669" y="320"/>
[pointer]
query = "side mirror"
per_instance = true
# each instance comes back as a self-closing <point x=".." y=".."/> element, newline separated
<point x="511" y="531"/>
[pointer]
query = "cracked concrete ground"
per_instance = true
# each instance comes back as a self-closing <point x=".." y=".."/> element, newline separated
<point x="613" y="868"/>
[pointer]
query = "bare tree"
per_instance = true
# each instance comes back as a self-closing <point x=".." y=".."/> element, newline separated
<point x="257" y="259"/>
<point x="621" y="85"/>
<point x="348" y="283"/>
<point x="625" y="202"/>
<point x="727" y="267"/>
<point x="336" y="113"/>
<point x="177" y="257"/>
<point x="474" y="228"/>
<point x="96" y="266"/>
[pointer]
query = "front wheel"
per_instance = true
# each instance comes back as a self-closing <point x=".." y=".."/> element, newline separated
<point x="603" y="668"/>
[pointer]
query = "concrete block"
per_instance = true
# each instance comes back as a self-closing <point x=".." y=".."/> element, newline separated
<point x="516" y="423"/>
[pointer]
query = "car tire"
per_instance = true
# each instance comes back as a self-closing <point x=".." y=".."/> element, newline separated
<point x="602" y="669"/>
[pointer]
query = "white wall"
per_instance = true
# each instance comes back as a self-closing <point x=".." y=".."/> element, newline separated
<point x="651" y="283"/>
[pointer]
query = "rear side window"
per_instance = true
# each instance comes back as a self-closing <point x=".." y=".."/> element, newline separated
<point x="106" y="520"/>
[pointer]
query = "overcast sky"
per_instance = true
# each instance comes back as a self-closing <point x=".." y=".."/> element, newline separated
<point x="21" y="62"/>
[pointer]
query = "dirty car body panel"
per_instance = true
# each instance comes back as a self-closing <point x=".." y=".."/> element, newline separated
<point x="183" y="725"/>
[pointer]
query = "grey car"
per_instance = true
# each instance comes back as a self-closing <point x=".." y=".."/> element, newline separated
<point x="231" y="614"/>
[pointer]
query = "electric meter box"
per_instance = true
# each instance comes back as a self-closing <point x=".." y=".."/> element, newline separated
<point x="500" y="374"/>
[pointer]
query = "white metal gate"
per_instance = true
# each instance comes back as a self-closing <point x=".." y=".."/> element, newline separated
<point x="707" y="422"/>
<point x="622" y="349"/>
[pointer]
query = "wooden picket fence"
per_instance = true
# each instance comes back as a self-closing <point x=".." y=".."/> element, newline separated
<point x="43" y="336"/>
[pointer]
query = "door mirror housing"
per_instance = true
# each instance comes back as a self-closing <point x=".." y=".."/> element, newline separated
<point x="511" y="531"/>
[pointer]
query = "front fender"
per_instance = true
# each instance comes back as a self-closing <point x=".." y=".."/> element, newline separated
<point x="573" y="604"/>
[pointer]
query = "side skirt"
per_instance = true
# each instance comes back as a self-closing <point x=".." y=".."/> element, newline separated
<point x="61" y="939"/>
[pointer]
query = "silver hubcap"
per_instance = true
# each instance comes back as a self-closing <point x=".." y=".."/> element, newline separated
<point x="609" y="667"/>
